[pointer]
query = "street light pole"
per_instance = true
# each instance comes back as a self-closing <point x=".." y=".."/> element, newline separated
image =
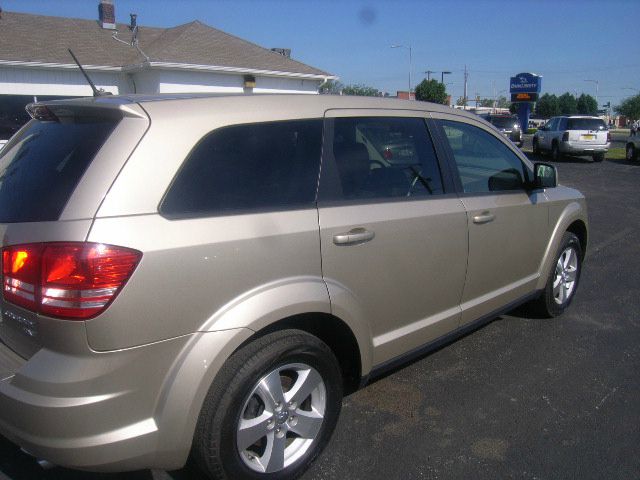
<point x="429" y="72"/>
<point x="410" y="63"/>
<point x="597" y="83"/>
<point x="442" y="74"/>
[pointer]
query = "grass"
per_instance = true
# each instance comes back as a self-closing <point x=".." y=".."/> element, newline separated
<point x="616" y="153"/>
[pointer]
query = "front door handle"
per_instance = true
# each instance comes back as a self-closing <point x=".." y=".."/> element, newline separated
<point x="354" y="237"/>
<point x="484" y="217"/>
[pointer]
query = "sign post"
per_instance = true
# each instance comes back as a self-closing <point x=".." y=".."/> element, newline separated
<point x="525" y="89"/>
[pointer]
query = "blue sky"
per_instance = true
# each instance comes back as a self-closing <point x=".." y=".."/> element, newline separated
<point x="567" y="42"/>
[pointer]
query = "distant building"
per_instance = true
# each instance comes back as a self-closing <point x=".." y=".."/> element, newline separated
<point x="128" y="58"/>
<point x="404" y="95"/>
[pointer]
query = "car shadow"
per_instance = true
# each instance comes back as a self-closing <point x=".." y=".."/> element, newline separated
<point x="623" y="161"/>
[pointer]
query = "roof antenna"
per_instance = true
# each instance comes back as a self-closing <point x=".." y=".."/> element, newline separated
<point x="96" y="92"/>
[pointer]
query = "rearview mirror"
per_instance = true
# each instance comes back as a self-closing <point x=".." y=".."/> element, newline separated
<point x="544" y="175"/>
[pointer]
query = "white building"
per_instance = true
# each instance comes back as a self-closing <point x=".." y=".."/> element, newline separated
<point x="123" y="59"/>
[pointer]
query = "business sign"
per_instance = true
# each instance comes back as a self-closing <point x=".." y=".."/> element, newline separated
<point x="524" y="97"/>
<point x="526" y="83"/>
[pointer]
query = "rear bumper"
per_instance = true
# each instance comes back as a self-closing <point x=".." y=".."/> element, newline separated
<point x="580" y="148"/>
<point x="112" y="411"/>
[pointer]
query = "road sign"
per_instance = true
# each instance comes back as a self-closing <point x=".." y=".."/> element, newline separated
<point x="526" y="83"/>
<point x="524" y="97"/>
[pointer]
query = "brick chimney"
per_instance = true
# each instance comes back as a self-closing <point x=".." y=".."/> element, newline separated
<point x="107" y="14"/>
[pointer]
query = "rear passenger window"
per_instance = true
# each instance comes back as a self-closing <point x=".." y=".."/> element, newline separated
<point x="264" y="166"/>
<point x="485" y="164"/>
<point x="384" y="157"/>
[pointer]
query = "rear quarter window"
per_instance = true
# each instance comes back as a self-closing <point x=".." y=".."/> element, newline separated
<point x="245" y="168"/>
<point x="40" y="168"/>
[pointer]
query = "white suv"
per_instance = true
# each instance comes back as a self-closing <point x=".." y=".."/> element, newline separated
<point x="573" y="135"/>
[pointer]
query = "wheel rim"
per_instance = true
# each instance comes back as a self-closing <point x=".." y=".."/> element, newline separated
<point x="281" y="418"/>
<point x="564" y="282"/>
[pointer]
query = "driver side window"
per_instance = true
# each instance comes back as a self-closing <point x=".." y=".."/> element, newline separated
<point x="485" y="164"/>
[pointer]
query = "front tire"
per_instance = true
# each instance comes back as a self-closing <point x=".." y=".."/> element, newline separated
<point x="632" y="153"/>
<point x="271" y="410"/>
<point x="563" y="280"/>
<point x="598" y="157"/>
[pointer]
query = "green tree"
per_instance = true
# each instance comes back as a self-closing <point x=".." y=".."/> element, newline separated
<point x="361" y="91"/>
<point x="587" y="105"/>
<point x="567" y="104"/>
<point x="547" y="106"/>
<point x="431" y="91"/>
<point x="630" y="107"/>
<point x="331" y="87"/>
<point x="502" y="102"/>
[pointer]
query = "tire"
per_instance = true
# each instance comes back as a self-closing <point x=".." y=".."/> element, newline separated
<point x="278" y="365"/>
<point x="598" y="157"/>
<point x="563" y="279"/>
<point x="555" y="152"/>
<point x="632" y="153"/>
<point x="536" y="147"/>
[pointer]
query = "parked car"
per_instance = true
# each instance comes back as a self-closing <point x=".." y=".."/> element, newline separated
<point x="573" y="135"/>
<point x="508" y="125"/>
<point x="632" y="147"/>
<point x="203" y="277"/>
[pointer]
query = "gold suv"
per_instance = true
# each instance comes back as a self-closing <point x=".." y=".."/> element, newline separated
<point x="208" y="275"/>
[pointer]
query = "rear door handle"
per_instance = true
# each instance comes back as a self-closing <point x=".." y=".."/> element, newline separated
<point x="484" y="217"/>
<point x="354" y="237"/>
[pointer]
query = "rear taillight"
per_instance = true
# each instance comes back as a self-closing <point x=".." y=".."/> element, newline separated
<point x="565" y="137"/>
<point x="72" y="280"/>
<point x="608" y="137"/>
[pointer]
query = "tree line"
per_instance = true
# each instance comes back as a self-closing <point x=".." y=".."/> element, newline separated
<point x="548" y="105"/>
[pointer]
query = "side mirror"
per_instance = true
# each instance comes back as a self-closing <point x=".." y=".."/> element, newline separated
<point x="544" y="175"/>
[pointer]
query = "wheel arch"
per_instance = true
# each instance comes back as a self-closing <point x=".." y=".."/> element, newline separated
<point x="331" y="330"/>
<point x="572" y="219"/>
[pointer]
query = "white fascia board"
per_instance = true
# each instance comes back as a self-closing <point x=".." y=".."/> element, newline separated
<point x="237" y="70"/>
<point x="169" y="66"/>
<point x="63" y="66"/>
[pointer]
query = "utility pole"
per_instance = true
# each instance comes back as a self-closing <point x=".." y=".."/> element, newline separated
<point x="466" y="77"/>
<point x="429" y="72"/>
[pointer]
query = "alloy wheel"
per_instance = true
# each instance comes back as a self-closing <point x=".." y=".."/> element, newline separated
<point x="281" y="418"/>
<point x="564" y="281"/>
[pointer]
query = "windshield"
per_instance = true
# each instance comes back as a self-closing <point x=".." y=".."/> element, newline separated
<point x="41" y="166"/>
<point x="585" y="124"/>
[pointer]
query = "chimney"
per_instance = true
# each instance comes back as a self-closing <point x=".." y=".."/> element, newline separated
<point x="107" y="14"/>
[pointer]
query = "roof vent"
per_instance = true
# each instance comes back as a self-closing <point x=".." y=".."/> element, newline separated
<point x="285" y="52"/>
<point x="107" y="14"/>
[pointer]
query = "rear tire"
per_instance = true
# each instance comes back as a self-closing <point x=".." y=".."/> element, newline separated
<point x="598" y="157"/>
<point x="271" y="409"/>
<point x="563" y="279"/>
<point x="632" y="153"/>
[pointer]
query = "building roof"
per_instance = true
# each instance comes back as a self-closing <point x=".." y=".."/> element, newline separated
<point x="44" y="40"/>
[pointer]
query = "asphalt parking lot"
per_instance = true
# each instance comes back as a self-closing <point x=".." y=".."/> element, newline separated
<point x="520" y="398"/>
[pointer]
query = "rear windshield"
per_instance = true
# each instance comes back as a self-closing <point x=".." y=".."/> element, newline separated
<point x="503" y="122"/>
<point x="585" y="124"/>
<point x="40" y="168"/>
